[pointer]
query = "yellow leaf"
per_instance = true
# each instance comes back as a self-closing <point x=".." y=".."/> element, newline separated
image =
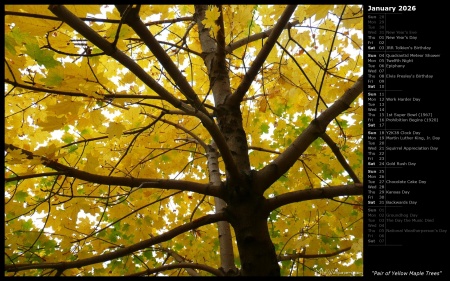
<point x="15" y="156"/>
<point x="211" y="16"/>
<point x="92" y="163"/>
<point x="263" y="105"/>
<point x="47" y="151"/>
<point x="128" y="78"/>
<point x="84" y="10"/>
<point x="97" y="118"/>
<point x="66" y="107"/>
<point x="11" y="71"/>
<point x="52" y="123"/>
<point x="356" y="41"/>
<point x="320" y="11"/>
<point x="152" y="139"/>
<point x="85" y="224"/>
<point x="115" y="130"/>
<point x="346" y="243"/>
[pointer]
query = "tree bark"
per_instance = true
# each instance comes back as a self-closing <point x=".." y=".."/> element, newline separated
<point x="256" y="250"/>
<point x="225" y="240"/>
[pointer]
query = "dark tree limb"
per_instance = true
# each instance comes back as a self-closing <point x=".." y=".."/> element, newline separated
<point x="202" y="188"/>
<point x="73" y="21"/>
<point x="340" y="157"/>
<point x="61" y="266"/>
<point x="243" y="87"/>
<point x="310" y="194"/>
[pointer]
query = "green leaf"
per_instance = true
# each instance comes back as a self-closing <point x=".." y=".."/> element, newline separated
<point x="113" y="236"/>
<point x="178" y="247"/>
<point x="67" y="138"/>
<point x="286" y="263"/>
<point x="343" y="123"/>
<point x="27" y="225"/>
<point x="10" y="43"/>
<point x="101" y="234"/>
<point x="50" y="246"/>
<point x="115" y="263"/>
<point x="42" y="57"/>
<point x="72" y="148"/>
<point x="148" y="254"/>
<point x="325" y="239"/>
<point x="275" y="233"/>
<point x="21" y="196"/>
<point x="165" y="158"/>
<point x="264" y="128"/>
<point x="305" y="120"/>
<point x="54" y="78"/>
<point x="22" y="37"/>
<point x="283" y="178"/>
<point x="327" y="172"/>
<point x="273" y="215"/>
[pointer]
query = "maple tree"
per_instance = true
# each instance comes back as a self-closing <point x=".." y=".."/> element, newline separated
<point x="183" y="140"/>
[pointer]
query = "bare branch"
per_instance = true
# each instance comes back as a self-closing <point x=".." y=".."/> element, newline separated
<point x="178" y="258"/>
<point x="224" y="231"/>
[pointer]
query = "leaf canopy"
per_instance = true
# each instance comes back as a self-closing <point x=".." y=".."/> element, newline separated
<point x="75" y="115"/>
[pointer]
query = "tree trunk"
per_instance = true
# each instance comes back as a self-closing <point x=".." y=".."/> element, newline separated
<point x="256" y="250"/>
<point x="244" y="202"/>
<point x="226" y="244"/>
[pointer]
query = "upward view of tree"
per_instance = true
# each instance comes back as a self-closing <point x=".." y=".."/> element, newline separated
<point x="183" y="140"/>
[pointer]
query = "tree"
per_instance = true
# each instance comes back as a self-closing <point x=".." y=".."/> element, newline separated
<point x="183" y="140"/>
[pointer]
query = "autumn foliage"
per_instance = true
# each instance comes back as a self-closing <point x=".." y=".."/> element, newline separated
<point x="183" y="140"/>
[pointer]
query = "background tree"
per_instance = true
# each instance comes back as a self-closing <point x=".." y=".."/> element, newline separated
<point x="183" y="140"/>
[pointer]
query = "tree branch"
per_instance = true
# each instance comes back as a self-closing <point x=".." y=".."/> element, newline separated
<point x="38" y="16"/>
<point x="202" y="188"/>
<point x="340" y="157"/>
<point x="78" y="25"/>
<point x="109" y="49"/>
<point x="24" y="177"/>
<point x="305" y="256"/>
<point x="235" y="45"/>
<point x="77" y="94"/>
<point x="208" y="219"/>
<point x="243" y="87"/>
<point x="224" y="231"/>
<point x="310" y="194"/>
<point x="133" y="20"/>
<point x="188" y="265"/>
